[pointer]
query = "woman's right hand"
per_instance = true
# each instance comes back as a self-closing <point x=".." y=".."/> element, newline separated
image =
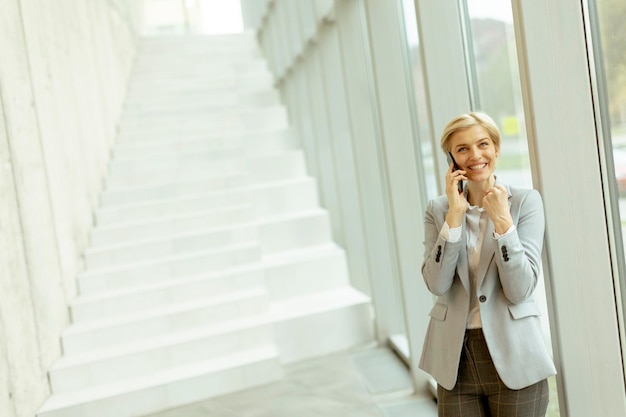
<point x="457" y="203"/>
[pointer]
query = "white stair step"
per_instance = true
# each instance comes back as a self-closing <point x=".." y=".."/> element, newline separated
<point x="319" y="302"/>
<point x="229" y="204"/>
<point x="121" y="196"/>
<point x="259" y="168"/>
<point x="298" y="230"/>
<point x="227" y="52"/>
<point x="267" y="198"/>
<point x="271" y="141"/>
<point x="274" y="167"/>
<point x="220" y="220"/>
<point x="173" y="161"/>
<point x="296" y="321"/>
<point x="229" y="43"/>
<point x="286" y="274"/>
<point x="169" y="388"/>
<point x="117" y="330"/>
<point x="194" y="67"/>
<point x="198" y="101"/>
<point x="172" y="268"/>
<point x="211" y="138"/>
<point x="239" y="89"/>
<point x="229" y="223"/>
<point x="222" y="173"/>
<point x="203" y="169"/>
<point x="144" y="141"/>
<point x="306" y="271"/>
<point x="171" y="235"/>
<point x="242" y="39"/>
<point x="195" y="118"/>
<point x="182" y="61"/>
<point x="205" y="77"/>
<point x="198" y="65"/>
<point x="119" y="363"/>
<point x="224" y="118"/>
<point x="285" y="232"/>
<point x="265" y="119"/>
<point x="153" y="295"/>
<point x="342" y="316"/>
<point x="280" y="198"/>
<point x="268" y="144"/>
<point x="138" y="250"/>
<point x="169" y="62"/>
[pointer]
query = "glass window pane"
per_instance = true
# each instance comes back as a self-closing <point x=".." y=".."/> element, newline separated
<point x="496" y="90"/>
<point x="419" y="94"/>
<point x="613" y="41"/>
<point x="611" y="36"/>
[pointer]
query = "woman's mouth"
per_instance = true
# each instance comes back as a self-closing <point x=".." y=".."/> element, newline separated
<point x="477" y="167"/>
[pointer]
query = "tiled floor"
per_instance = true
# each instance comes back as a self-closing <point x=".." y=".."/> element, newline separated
<point x="364" y="383"/>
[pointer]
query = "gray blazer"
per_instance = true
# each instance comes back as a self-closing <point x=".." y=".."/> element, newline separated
<point x="508" y="272"/>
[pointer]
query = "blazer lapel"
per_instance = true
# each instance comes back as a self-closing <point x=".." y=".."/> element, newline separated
<point x="488" y="249"/>
<point x="463" y="263"/>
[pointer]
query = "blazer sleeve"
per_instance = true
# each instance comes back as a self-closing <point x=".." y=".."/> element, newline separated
<point x="518" y="254"/>
<point x="440" y="256"/>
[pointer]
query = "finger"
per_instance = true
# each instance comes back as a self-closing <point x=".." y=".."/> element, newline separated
<point x="500" y="188"/>
<point x="496" y="190"/>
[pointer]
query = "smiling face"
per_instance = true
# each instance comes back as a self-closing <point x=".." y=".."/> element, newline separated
<point x="475" y="152"/>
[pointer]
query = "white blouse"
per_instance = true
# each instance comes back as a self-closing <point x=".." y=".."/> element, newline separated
<point x="476" y="221"/>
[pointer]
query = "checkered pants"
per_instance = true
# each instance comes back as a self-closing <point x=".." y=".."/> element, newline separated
<point x="480" y="392"/>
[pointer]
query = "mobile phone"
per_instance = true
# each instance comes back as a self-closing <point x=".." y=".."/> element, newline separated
<point x="455" y="167"/>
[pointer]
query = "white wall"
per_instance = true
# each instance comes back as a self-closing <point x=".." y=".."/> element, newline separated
<point x="63" y="76"/>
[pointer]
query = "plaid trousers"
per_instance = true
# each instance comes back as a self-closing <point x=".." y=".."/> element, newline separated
<point x="479" y="391"/>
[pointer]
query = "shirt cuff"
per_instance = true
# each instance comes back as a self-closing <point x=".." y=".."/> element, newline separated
<point x="498" y="236"/>
<point x="450" y="234"/>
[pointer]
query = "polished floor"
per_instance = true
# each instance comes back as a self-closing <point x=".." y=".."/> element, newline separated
<point x="369" y="382"/>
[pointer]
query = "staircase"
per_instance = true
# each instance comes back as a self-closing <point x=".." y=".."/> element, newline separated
<point x="211" y="263"/>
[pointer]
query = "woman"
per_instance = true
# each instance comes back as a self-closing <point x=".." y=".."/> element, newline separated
<point x="484" y="345"/>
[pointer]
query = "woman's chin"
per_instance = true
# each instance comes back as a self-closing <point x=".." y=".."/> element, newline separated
<point x="479" y="178"/>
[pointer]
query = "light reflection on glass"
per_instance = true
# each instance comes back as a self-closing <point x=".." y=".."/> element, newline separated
<point x="419" y="93"/>
<point x="498" y="87"/>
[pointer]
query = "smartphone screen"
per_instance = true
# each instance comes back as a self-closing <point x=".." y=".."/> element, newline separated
<point x="455" y="168"/>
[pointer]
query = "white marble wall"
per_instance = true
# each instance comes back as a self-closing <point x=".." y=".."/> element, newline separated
<point x="64" y="67"/>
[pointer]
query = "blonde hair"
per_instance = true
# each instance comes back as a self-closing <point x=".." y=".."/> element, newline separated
<point x="465" y="121"/>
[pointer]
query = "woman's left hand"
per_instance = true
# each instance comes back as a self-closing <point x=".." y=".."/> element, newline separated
<point x="496" y="204"/>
